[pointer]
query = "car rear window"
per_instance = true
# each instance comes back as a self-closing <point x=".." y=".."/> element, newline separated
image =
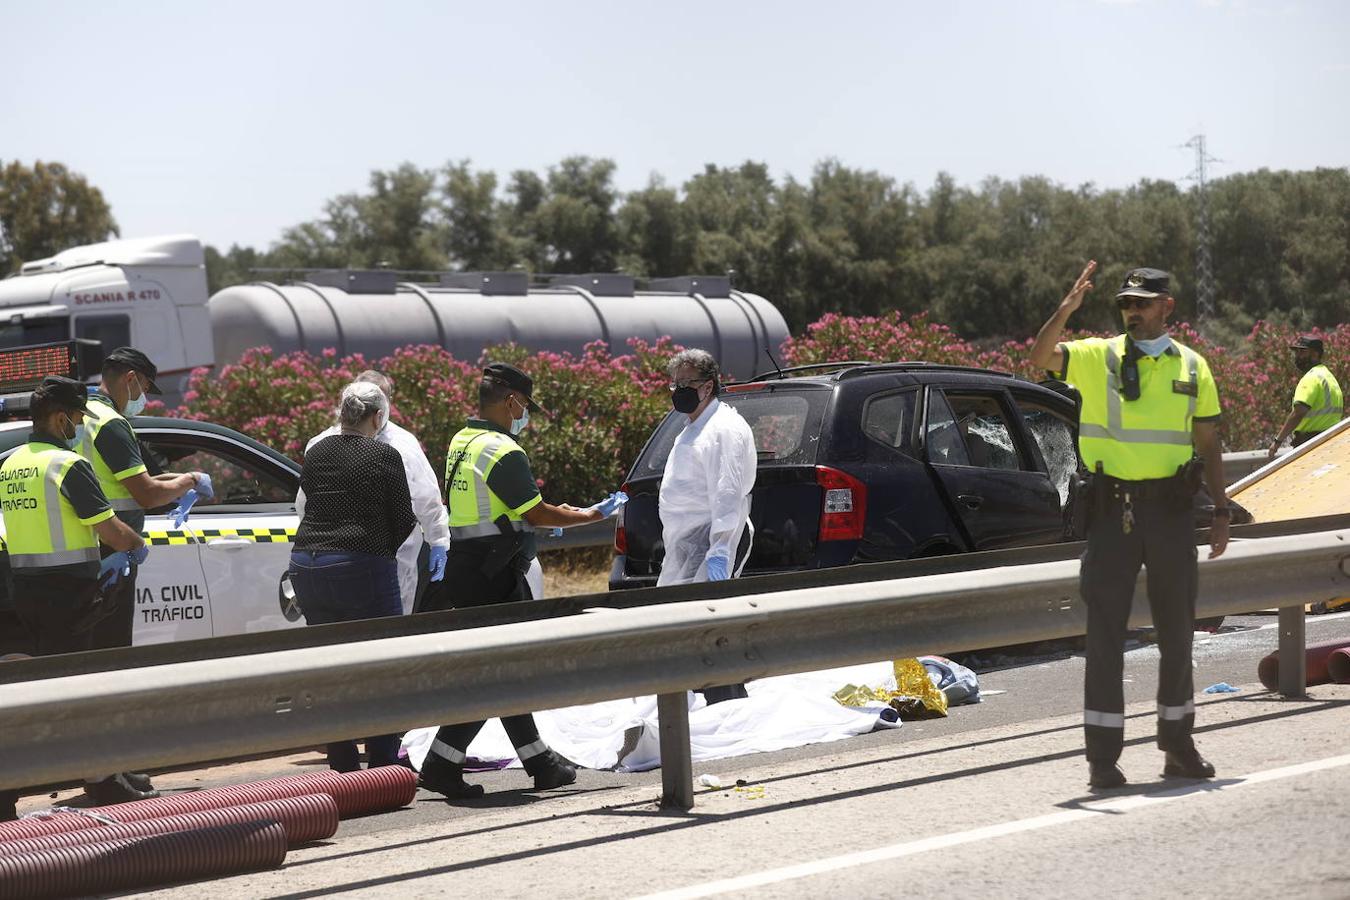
<point x="786" y="425"/>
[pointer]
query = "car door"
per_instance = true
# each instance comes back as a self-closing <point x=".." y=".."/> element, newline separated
<point x="990" y="478"/>
<point x="243" y="535"/>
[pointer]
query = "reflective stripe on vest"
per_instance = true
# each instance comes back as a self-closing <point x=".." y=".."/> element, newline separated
<point x="1333" y="407"/>
<point x="474" y="509"/>
<point x="97" y="414"/>
<point x="1150" y="437"/>
<point x="1115" y="429"/>
<point x="41" y="527"/>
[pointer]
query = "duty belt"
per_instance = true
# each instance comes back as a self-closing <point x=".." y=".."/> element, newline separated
<point x="1144" y="489"/>
<point x="485" y="529"/>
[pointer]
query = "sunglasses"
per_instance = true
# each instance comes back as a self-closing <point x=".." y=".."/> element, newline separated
<point x="1124" y="304"/>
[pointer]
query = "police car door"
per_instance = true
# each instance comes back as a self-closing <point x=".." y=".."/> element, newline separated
<point x="243" y="535"/>
<point x="992" y="483"/>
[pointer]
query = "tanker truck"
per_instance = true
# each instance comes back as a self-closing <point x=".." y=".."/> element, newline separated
<point x="151" y="293"/>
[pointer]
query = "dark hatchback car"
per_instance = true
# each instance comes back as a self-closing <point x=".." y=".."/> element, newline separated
<point x="877" y="462"/>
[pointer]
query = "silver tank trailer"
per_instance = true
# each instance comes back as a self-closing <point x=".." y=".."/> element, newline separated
<point x="373" y="313"/>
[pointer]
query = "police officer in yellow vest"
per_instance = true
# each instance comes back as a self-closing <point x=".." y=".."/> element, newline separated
<point x="55" y="515"/>
<point x="1318" y="401"/>
<point x="495" y="506"/>
<point x="110" y="445"/>
<point x="1148" y="405"/>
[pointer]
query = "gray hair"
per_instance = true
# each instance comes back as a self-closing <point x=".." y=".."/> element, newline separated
<point x="701" y="361"/>
<point x="361" y="399"/>
<point x="379" y="379"/>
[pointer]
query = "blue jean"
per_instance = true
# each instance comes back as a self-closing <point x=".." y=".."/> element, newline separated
<point x="343" y="587"/>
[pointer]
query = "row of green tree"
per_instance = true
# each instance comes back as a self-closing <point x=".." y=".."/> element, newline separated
<point x="990" y="260"/>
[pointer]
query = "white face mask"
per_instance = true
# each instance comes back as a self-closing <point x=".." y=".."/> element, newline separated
<point x="518" y="425"/>
<point x="1154" y="346"/>
<point x="136" y="405"/>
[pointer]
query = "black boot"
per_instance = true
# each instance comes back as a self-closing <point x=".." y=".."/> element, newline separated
<point x="550" y="771"/>
<point x="447" y="778"/>
<point x="139" y="780"/>
<point x="1187" y="764"/>
<point x="1105" y="775"/>
<point x="116" y="789"/>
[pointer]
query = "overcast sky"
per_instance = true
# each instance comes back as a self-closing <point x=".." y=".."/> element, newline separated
<point x="235" y="120"/>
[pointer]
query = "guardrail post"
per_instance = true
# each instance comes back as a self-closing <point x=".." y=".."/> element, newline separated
<point x="677" y="767"/>
<point x="1293" y="652"/>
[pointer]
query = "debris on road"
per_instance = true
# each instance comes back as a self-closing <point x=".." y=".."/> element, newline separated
<point x="1222" y="687"/>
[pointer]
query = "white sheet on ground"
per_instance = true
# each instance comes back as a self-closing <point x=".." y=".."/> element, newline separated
<point x="781" y="712"/>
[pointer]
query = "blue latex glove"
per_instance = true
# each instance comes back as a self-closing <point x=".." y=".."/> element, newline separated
<point x="718" y="568"/>
<point x="112" y="568"/>
<point x="139" y="554"/>
<point x="555" y="532"/>
<point x="611" y="504"/>
<point x="204" y="486"/>
<point x="178" y="515"/>
<point x="436" y="562"/>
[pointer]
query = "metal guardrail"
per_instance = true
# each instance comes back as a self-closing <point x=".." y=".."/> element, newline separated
<point x="66" y="727"/>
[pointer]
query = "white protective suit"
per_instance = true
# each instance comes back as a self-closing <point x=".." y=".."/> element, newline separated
<point x="705" y="494"/>
<point x="426" y="503"/>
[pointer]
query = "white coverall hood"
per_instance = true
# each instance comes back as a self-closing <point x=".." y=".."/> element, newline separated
<point x="705" y="494"/>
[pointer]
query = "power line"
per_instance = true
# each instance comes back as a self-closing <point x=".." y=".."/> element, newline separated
<point x="1204" y="262"/>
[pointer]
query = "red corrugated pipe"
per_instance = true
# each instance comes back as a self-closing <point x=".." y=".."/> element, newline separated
<point x="1268" y="669"/>
<point x="141" y="862"/>
<point x="356" y="794"/>
<point x="312" y="817"/>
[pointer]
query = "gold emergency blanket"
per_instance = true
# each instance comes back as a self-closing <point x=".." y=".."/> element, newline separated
<point x="915" y="696"/>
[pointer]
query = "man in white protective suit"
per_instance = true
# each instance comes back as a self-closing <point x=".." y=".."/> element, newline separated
<point x="705" y="491"/>
<point x="432" y="519"/>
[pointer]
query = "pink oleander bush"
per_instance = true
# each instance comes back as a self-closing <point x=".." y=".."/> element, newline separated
<point x="1256" y="380"/>
<point x="604" y="407"/>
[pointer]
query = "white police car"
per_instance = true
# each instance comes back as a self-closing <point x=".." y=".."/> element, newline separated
<point x="224" y="571"/>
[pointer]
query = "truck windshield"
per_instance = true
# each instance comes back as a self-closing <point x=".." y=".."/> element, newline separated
<point x="23" y="332"/>
<point x="786" y="425"/>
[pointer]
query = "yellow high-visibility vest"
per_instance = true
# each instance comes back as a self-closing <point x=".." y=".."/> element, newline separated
<point x="1145" y="438"/>
<point x="41" y="526"/>
<point x="97" y="414"/>
<point x="474" y="508"/>
<point x="1321" y="393"/>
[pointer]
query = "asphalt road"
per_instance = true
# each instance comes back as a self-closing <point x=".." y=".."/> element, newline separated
<point x="991" y="799"/>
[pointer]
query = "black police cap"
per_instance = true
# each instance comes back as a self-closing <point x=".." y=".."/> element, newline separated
<point x="1307" y="342"/>
<point x="1145" y="283"/>
<point x="135" y="360"/>
<point x="511" y="377"/>
<point x="62" y="392"/>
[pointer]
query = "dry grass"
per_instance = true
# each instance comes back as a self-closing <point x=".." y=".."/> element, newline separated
<point x="583" y="570"/>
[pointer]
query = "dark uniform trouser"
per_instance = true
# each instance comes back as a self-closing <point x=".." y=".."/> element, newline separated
<point x="115" y="630"/>
<point x="1163" y="540"/>
<point x="1302" y="437"/>
<point x="49" y="605"/>
<point x="468" y="586"/>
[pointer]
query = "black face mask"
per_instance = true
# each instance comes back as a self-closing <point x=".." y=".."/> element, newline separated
<point x="684" y="399"/>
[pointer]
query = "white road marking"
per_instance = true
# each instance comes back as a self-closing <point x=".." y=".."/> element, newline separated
<point x="988" y="832"/>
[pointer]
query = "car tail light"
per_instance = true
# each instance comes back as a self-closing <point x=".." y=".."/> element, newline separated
<point x="843" y="505"/>
<point x="621" y="536"/>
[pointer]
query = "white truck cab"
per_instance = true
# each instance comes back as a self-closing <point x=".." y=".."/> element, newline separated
<point x="150" y="294"/>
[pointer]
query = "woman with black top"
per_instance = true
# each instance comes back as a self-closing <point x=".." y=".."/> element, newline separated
<point x="355" y="515"/>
